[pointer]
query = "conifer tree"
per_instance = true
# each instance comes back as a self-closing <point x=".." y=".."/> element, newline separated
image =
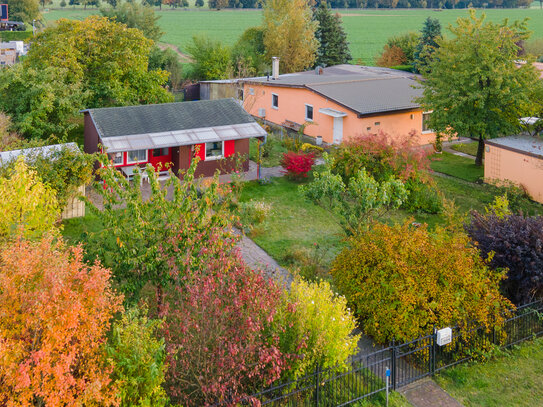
<point x="430" y="33"/>
<point x="333" y="46"/>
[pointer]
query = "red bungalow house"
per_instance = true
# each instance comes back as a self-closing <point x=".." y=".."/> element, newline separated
<point x="170" y="133"/>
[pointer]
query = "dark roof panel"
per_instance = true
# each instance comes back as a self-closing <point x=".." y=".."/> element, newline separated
<point x="167" y="117"/>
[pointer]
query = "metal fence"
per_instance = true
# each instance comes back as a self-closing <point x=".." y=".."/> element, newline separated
<point x="364" y="375"/>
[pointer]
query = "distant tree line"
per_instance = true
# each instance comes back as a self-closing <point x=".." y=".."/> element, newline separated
<point x="434" y="4"/>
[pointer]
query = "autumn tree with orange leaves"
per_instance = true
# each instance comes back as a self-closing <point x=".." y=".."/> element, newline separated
<point x="55" y="312"/>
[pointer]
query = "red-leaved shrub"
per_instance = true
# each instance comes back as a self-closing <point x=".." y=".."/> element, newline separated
<point x="219" y="331"/>
<point x="297" y="165"/>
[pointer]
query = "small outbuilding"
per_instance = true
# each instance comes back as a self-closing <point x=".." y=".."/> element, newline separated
<point x="171" y="134"/>
<point x="518" y="159"/>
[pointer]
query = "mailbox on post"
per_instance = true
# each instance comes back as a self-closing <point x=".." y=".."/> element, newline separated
<point x="444" y="336"/>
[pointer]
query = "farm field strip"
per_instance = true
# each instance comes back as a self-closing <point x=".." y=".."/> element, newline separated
<point x="367" y="30"/>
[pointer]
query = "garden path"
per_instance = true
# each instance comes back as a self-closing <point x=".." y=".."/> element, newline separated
<point x="427" y="393"/>
<point x="461" y="140"/>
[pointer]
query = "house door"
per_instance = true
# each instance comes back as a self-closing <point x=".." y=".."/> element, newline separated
<point x="338" y="130"/>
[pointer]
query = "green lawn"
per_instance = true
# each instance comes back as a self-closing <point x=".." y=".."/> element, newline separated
<point x="456" y="166"/>
<point x="275" y="149"/>
<point x="512" y="380"/>
<point x="466" y="148"/>
<point x="367" y="30"/>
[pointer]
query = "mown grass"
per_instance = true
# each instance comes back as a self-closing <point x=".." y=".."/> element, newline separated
<point x="457" y="166"/>
<point x="275" y="149"/>
<point x="514" y="379"/>
<point x="466" y="148"/>
<point x="367" y="30"/>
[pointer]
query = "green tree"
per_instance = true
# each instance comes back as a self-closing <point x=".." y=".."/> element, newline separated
<point x="41" y="100"/>
<point x="428" y="43"/>
<point x="23" y="10"/>
<point x="135" y="15"/>
<point x="166" y="60"/>
<point x="140" y="239"/>
<point x="212" y="59"/>
<point x="289" y="33"/>
<point x="473" y="86"/>
<point x="407" y="43"/>
<point x="333" y="46"/>
<point x="109" y="59"/>
<point x="250" y="50"/>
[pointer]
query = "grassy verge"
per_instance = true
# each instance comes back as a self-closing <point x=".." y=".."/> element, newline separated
<point x="514" y="379"/>
<point x="466" y="148"/>
<point x="456" y="166"/>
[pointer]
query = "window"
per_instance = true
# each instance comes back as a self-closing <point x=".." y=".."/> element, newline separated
<point x="214" y="150"/>
<point x="160" y="152"/>
<point x="275" y="101"/>
<point x="309" y="113"/>
<point x="251" y="91"/>
<point x="116" y="158"/>
<point x="425" y="117"/>
<point x="377" y="123"/>
<point x="136" y="156"/>
<point x="240" y="94"/>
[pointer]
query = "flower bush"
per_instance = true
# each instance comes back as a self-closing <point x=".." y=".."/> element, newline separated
<point x="402" y="280"/>
<point x="297" y="165"/>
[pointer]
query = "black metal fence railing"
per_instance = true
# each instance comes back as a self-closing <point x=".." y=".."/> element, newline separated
<point x="365" y="375"/>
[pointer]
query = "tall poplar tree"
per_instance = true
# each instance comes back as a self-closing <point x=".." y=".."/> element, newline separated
<point x="289" y="33"/>
<point x="473" y="85"/>
<point x="333" y="46"/>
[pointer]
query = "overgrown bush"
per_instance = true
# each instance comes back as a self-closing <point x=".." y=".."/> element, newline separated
<point x="402" y="280"/>
<point x="138" y="358"/>
<point x="297" y="165"/>
<point x="384" y="156"/>
<point x="253" y="213"/>
<point x="514" y="242"/>
<point x="56" y="311"/>
<point x="355" y="202"/>
<point x="219" y="331"/>
<point x="315" y="326"/>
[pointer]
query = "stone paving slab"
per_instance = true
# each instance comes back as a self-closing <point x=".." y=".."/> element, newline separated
<point x="426" y="393"/>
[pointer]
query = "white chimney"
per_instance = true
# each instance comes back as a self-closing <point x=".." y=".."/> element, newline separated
<point x="275" y="67"/>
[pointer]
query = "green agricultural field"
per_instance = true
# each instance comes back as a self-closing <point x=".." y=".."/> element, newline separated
<point x="367" y="30"/>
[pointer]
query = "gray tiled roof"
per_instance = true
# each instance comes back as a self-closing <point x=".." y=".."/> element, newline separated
<point x="365" y="90"/>
<point x="521" y="143"/>
<point x="167" y="117"/>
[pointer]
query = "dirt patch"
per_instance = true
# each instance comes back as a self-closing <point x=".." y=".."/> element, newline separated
<point x="182" y="57"/>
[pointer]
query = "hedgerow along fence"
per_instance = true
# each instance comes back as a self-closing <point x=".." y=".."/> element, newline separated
<point x="406" y="362"/>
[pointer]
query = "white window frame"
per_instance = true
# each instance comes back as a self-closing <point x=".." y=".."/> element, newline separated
<point x="113" y="159"/>
<point x="251" y="91"/>
<point x="422" y="123"/>
<point x="128" y="161"/>
<point x="214" y="157"/>
<point x="312" y="113"/>
<point x="272" y="105"/>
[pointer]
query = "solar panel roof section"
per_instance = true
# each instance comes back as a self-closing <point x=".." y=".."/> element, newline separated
<point x="167" y="117"/>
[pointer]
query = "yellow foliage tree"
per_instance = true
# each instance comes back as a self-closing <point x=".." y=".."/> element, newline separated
<point x="26" y="203"/>
<point x="289" y="33"/>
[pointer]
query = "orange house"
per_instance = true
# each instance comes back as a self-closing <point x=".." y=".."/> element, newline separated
<point x="340" y="102"/>
<point x="518" y="159"/>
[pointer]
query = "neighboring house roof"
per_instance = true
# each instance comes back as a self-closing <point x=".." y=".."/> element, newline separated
<point x="8" y="156"/>
<point x="172" y="124"/>
<point x="364" y="90"/>
<point x="529" y="145"/>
